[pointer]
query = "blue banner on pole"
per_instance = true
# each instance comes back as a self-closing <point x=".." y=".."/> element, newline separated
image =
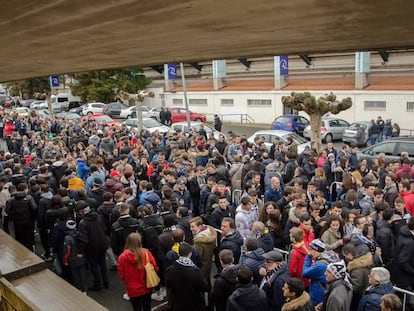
<point x="54" y="81"/>
<point x="172" y="71"/>
<point x="284" y="65"/>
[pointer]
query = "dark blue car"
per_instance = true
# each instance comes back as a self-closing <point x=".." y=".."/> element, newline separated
<point x="291" y="123"/>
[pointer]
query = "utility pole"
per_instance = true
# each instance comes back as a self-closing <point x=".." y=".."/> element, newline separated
<point x="138" y="99"/>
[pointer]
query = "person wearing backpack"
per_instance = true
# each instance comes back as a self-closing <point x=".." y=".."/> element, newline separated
<point x="76" y="264"/>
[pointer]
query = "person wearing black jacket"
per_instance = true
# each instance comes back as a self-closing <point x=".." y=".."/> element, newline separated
<point x="93" y="244"/>
<point x="121" y="228"/>
<point x="226" y="281"/>
<point x="45" y="204"/>
<point x="21" y="208"/>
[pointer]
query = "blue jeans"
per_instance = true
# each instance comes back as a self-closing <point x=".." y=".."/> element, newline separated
<point x="373" y="139"/>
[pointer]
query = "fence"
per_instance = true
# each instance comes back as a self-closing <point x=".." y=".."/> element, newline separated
<point x="405" y="292"/>
<point x="244" y="118"/>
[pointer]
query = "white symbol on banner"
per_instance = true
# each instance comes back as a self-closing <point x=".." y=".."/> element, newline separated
<point x="172" y="71"/>
<point x="284" y="64"/>
<point x="55" y="81"/>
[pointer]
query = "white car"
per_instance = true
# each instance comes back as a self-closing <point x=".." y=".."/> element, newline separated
<point x="92" y="108"/>
<point x="130" y="112"/>
<point x="22" y="111"/>
<point x="148" y="123"/>
<point x="270" y="135"/>
<point x="183" y="127"/>
<point x="38" y="104"/>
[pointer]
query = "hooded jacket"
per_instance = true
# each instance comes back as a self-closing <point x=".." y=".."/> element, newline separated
<point x="371" y="301"/>
<point x="120" y="231"/>
<point x="112" y="185"/>
<point x="204" y="242"/>
<point x="232" y="241"/>
<point x="301" y="303"/>
<point x="402" y="273"/>
<point x="92" y="235"/>
<point x="298" y="256"/>
<point x="359" y="269"/>
<point x="247" y="298"/>
<point x="224" y="286"/>
<point x="82" y="170"/>
<point x="254" y="260"/>
<point x="132" y="275"/>
<point x="315" y="271"/>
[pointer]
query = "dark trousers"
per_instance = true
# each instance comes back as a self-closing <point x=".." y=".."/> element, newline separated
<point x="44" y="239"/>
<point x="77" y="277"/>
<point x="24" y="234"/>
<point x="97" y="264"/>
<point x="141" y="303"/>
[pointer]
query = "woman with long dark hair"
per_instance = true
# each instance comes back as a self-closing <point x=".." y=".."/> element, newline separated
<point x="131" y="270"/>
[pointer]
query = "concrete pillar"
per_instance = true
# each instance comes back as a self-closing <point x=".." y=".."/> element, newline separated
<point x="170" y="75"/>
<point x="362" y="68"/>
<point x="219" y="74"/>
<point x="281" y="64"/>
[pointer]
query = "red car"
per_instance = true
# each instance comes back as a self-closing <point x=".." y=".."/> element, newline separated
<point x="180" y="114"/>
<point x="100" y="119"/>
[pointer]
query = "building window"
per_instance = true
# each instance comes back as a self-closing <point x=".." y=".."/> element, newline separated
<point x="259" y="102"/>
<point x="177" y="102"/>
<point x="375" y="105"/>
<point x="227" y="102"/>
<point x="197" y="102"/>
<point x="410" y="106"/>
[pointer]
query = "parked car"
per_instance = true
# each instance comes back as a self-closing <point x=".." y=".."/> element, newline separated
<point x="392" y="149"/>
<point x="148" y="123"/>
<point x="183" y="127"/>
<point x="5" y="100"/>
<point x="115" y="108"/>
<point x="92" y="108"/>
<point x="291" y="123"/>
<point x="77" y="110"/>
<point x="39" y="104"/>
<point x="21" y="111"/>
<point x="130" y="112"/>
<point x="270" y="135"/>
<point x="68" y="116"/>
<point x="331" y="129"/>
<point x="41" y="113"/>
<point x="100" y="119"/>
<point x="178" y="114"/>
<point x="26" y="102"/>
<point x="350" y="133"/>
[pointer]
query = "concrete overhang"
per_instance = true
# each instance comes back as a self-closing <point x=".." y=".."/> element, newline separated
<point x="46" y="37"/>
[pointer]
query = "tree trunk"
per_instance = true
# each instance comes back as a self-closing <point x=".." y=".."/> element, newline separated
<point x="315" y="122"/>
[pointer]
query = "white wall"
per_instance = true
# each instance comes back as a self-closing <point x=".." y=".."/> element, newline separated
<point x="396" y="104"/>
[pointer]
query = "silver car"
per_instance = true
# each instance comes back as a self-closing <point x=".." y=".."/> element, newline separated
<point x="148" y="123"/>
<point x="183" y="127"/>
<point x="350" y="134"/>
<point x="270" y="135"/>
<point x="331" y="129"/>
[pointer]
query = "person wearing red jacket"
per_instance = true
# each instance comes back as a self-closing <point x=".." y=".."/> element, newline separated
<point x="306" y="227"/>
<point x="408" y="196"/>
<point x="9" y="128"/>
<point x="299" y="252"/>
<point x="131" y="270"/>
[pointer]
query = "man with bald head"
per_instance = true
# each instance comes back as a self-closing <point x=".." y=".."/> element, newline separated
<point x="274" y="192"/>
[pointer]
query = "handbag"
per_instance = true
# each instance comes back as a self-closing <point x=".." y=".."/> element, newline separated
<point x="151" y="276"/>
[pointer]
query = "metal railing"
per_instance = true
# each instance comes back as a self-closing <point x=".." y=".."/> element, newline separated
<point x="244" y="117"/>
<point x="405" y="292"/>
<point x="406" y="132"/>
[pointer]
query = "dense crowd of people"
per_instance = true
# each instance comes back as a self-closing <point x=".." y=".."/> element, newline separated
<point x="284" y="231"/>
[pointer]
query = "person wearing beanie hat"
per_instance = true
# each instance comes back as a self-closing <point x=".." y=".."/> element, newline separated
<point x="338" y="295"/>
<point x="297" y="299"/>
<point x="275" y="273"/>
<point x="379" y="285"/>
<point x="314" y="269"/>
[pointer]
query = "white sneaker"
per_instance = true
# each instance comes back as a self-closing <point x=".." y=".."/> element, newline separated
<point x="157" y="296"/>
<point x="163" y="292"/>
<point x="125" y="296"/>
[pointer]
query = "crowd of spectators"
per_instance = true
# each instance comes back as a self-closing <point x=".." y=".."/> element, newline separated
<point x="284" y="231"/>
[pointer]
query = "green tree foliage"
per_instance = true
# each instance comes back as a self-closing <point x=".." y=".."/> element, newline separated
<point x="316" y="108"/>
<point x="29" y="88"/>
<point x="103" y="85"/>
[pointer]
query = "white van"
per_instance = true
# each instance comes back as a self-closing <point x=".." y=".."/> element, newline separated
<point x="64" y="101"/>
